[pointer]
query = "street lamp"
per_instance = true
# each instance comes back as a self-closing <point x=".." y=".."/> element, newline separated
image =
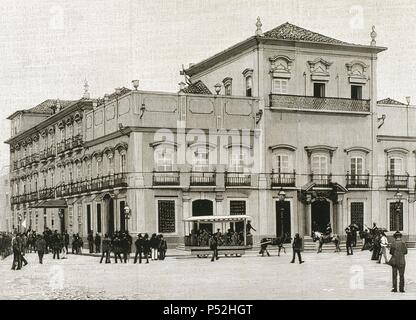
<point x="398" y="196"/>
<point x="282" y="197"/>
<point x="218" y="88"/>
<point x="127" y="212"/>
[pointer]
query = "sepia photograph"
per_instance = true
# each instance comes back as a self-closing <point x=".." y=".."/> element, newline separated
<point x="228" y="151"/>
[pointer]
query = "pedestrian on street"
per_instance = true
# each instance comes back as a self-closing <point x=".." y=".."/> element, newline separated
<point x="56" y="245"/>
<point x="124" y="243"/>
<point x="116" y="245"/>
<point x="97" y="241"/>
<point x="139" y="248"/>
<point x="398" y="250"/>
<point x="40" y="247"/>
<point x="146" y="247"/>
<point x="66" y="241"/>
<point x="384" y="243"/>
<point x="90" y="240"/>
<point x="63" y="250"/>
<point x="163" y="246"/>
<point x="154" y="244"/>
<point x="17" y="262"/>
<point x="213" y="245"/>
<point x="106" y="249"/>
<point x="350" y="241"/>
<point x="297" y="248"/>
<point x="263" y="247"/>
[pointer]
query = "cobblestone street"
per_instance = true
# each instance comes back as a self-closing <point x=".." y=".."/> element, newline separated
<point x="324" y="276"/>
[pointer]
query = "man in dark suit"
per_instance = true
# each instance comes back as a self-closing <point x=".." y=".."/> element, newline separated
<point x="349" y="242"/>
<point x="398" y="250"/>
<point x="213" y="245"/>
<point x="297" y="247"/>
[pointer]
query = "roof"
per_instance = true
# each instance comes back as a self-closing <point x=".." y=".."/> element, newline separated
<point x="114" y="95"/>
<point x="46" y="107"/>
<point x="288" y="31"/>
<point x="54" y="203"/>
<point x="218" y="218"/>
<point x="390" y="101"/>
<point x="197" y="88"/>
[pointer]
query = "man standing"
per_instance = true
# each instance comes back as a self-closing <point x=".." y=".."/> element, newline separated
<point x="297" y="247"/>
<point x="66" y="241"/>
<point x="398" y="250"/>
<point x="17" y="262"/>
<point x="90" y="240"/>
<point x="350" y="241"/>
<point x="106" y="249"/>
<point x="97" y="243"/>
<point x="41" y="247"/>
<point x="213" y="245"/>
<point x="56" y="245"/>
<point x="139" y="248"/>
<point x="384" y="244"/>
<point x="163" y="246"/>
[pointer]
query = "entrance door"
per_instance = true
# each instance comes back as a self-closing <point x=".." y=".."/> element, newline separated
<point x="110" y="215"/>
<point x="202" y="208"/>
<point x="122" y="217"/>
<point x="320" y="215"/>
<point x="283" y="219"/>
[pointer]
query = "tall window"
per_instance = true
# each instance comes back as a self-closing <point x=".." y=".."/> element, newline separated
<point x="281" y="163"/>
<point x="357" y="166"/>
<point x="319" y="90"/>
<point x="122" y="162"/>
<point x="396" y="216"/>
<point x="396" y="166"/>
<point x="89" y="218"/>
<point x="201" y="159"/>
<point x="279" y="86"/>
<point x="164" y="160"/>
<point x="238" y="207"/>
<point x="99" y="166"/>
<point x="356" y="92"/>
<point x="98" y="217"/>
<point x="249" y="86"/>
<point x="79" y="127"/>
<point x="80" y="218"/>
<point x="320" y="164"/>
<point x="357" y="214"/>
<point x="237" y="160"/>
<point x="166" y="216"/>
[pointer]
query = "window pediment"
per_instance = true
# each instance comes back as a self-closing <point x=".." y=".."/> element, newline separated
<point x="165" y="143"/>
<point x="282" y="146"/>
<point x="357" y="149"/>
<point x="357" y="71"/>
<point x="281" y="66"/>
<point x="319" y="69"/>
<point x="207" y="145"/>
<point x="396" y="150"/>
<point x="238" y="145"/>
<point x="320" y="148"/>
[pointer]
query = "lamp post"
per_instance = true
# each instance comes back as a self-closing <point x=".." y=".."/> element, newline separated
<point x="398" y="196"/>
<point x="127" y="213"/>
<point x="282" y="197"/>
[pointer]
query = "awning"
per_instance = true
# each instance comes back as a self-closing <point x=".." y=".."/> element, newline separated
<point x="233" y="218"/>
<point x="55" y="203"/>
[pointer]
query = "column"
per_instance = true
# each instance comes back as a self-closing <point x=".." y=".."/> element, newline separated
<point x="308" y="218"/>
<point x="185" y="213"/>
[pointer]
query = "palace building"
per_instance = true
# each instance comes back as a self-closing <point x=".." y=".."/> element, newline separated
<point x="283" y="126"/>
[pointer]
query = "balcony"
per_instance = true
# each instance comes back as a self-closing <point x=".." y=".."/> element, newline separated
<point x="50" y="152"/>
<point x="165" y="178"/>
<point x="301" y="103"/>
<point x="43" y="155"/>
<point x="280" y="179"/>
<point x="76" y="142"/>
<point x="22" y="163"/>
<point x="321" y="180"/>
<point x="202" y="179"/>
<point x="397" y="181"/>
<point x="15" y="165"/>
<point x="46" y="193"/>
<point x="235" y="179"/>
<point x="60" y="147"/>
<point x="33" y="196"/>
<point x="358" y="180"/>
<point x="14" y="200"/>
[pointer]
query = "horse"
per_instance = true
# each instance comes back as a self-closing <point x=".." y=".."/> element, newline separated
<point x="322" y="238"/>
<point x="279" y="241"/>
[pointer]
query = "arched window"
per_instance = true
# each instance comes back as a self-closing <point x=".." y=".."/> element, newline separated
<point x="249" y="86"/>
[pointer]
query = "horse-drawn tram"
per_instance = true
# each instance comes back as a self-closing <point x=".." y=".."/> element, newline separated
<point x="231" y="233"/>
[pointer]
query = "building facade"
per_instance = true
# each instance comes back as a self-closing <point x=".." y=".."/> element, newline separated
<point x="292" y="110"/>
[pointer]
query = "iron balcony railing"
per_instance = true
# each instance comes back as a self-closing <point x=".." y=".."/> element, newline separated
<point x="358" y="180"/>
<point x="295" y="102"/>
<point x="43" y="155"/>
<point x="397" y="181"/>
<point x="22" y="162"/>
<point x="46" y="193"/>
<point x="281" y="179"/>
<point x="202" y="179"/>
<point x="165" y="178"/>
<point x="15" y="165"/>
<point x="234" y="179"/>
<point x="51" y="152"/>
<point x="321" y="180"/>
<point x="60" y="147"/>
<point x="14" y="200"/>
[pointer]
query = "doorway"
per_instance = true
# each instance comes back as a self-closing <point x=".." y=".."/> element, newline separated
<point x="110" y="214"/>
<point x="202" y="208"/>
<point x="321" y="215"/>
<point x="283" y="217"/>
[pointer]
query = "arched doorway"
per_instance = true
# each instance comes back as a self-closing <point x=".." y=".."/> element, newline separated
<point x="321" y="215"/>
<point x="203" y="208"/>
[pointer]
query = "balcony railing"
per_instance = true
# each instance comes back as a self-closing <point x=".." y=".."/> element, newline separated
<point x="397" y="181"/>
<point x="280" y="179"/>
<point x="234" y="179"/>
<point x="46" y="193"/>
<point x="14" y="200"/>
<point x="358" y="180"/>
<point x="284" y="101"/>
<point x="76" y="142"/>
<point x="60" y="147"/>
<point x="43" y="155"/>
<point x="15" y="165"/>
<point x="165" y="178"/>
<point x="51" y="152"/>
<point x="202" y="179"/>
<point x="321" y="180"/>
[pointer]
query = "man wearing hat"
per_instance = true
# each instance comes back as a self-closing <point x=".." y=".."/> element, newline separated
<point x="349" y="242"/>
<point x="398" y="250"/>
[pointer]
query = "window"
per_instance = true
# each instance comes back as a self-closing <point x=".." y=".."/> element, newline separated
<point x="279" y="86"/>
<point x="249" y="86"/>
<point x="281" y="163"/>
<point x="357" y="167"/>
<point x="80" y="219"/>
<point x="319" y="90"/>
<point x="122" y="162"/>
<point x="164" y="160"/>
<point x="396" y="216"/>
<point x="88" y="218"/>
<point x="238" y="207"/>
<point x="320" y="164"/>
<point x="396" y="166"/>
<point x="237" y="161"/>
<point x="166" y="216"/>
<point x="201" y="159"/>
<point x="228" y="86"/>
<point x="98" y="217"/>
<point x="357" y="214"/>
<point x="356" y="92"/>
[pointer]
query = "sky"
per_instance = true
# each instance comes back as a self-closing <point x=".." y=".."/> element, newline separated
<point x="48" y="48"/>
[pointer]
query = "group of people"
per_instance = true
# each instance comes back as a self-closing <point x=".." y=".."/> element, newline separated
<point x="5" y="244"/>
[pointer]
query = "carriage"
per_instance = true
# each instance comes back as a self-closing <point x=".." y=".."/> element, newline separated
<point x="235" y="239"/>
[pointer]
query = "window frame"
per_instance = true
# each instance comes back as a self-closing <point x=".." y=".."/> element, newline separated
<point x="175" y="215"/>
<point x="322" y="89"/>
